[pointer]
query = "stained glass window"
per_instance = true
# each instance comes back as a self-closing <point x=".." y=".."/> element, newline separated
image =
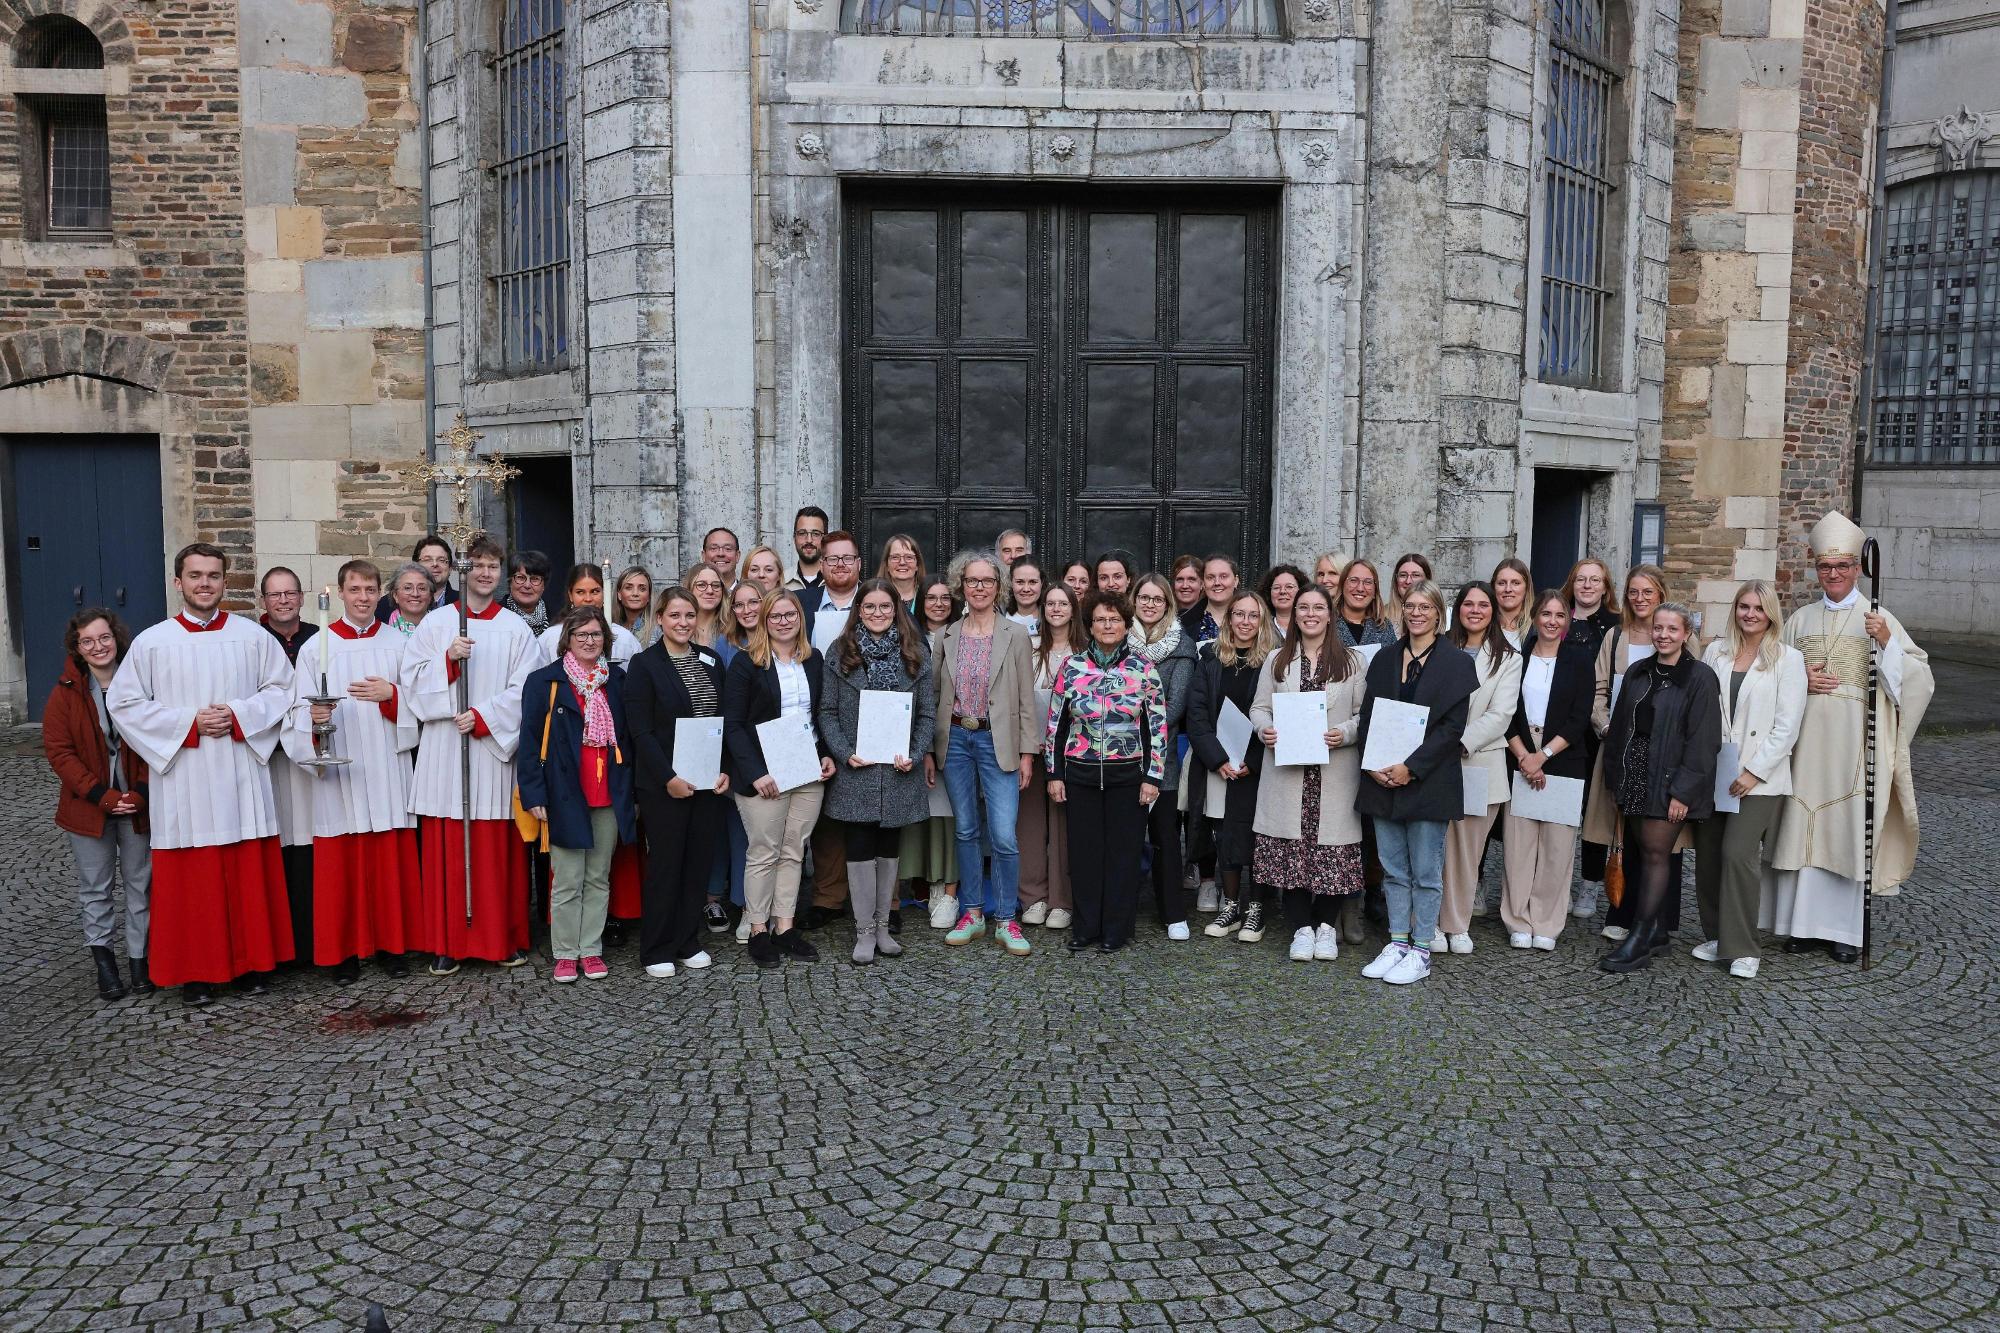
<point x="1106" y="19"/>
<point x="1937" y="348"/>
<point x="1577" y="156"/>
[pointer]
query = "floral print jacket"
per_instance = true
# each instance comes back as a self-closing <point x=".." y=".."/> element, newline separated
<point x="1107" y="715"/>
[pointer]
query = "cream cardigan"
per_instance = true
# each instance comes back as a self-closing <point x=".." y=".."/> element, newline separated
<point x="1281" y="790"/>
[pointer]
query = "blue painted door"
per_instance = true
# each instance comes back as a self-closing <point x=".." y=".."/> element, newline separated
<point x="86" y="532"/>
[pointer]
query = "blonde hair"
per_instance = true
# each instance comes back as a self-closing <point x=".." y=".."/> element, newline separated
<point x="1767" y="597"/>
<point x="1169" y="621"/>
<point x="709" y="627"/>
<point x="1339" y="598"/>
<point x="1266" y="642"/>
<point x="760" y="647"/>
<point x="1435" y="596"/>
<point x="1654" y="575"/>
<point x="743" y="567"/>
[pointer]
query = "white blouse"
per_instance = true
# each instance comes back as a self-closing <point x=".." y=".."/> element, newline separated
<point x="794" y="690"/>
<point x="1535" y="681"/>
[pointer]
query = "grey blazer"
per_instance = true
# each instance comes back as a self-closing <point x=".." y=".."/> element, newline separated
<point x="877" y="794"/>
<point x="1010" y="693"/>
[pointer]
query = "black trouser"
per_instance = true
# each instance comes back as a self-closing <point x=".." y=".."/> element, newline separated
<point x="1163" y="830"/>
<point x="681" y="838"/>
<point x="1106" y="827"/>
<point x="1595" y="854"/>
<point x="1305" y="909"/>
<point x="299" y="898"/>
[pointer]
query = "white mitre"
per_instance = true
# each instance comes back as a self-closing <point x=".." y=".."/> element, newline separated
<point x="1836" y="535"/>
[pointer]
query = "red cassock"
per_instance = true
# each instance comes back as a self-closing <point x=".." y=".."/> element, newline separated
<point x="628" y="872"/>
<point x="499" y="925"/>
<point x="218" y="912"/>
<point x="366" y="895"/>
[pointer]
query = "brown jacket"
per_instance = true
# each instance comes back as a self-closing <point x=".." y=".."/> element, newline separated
<point x="81" y="757"/>
<point x="1010" y="693"/>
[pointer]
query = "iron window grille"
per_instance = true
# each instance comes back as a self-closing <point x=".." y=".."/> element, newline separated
<point x="1936" y="397"/>
<point x="531" y="186"/>
<point x="76" y="148"/>
<point x="1109" y="20"/>
<point x="1578" y="188"/>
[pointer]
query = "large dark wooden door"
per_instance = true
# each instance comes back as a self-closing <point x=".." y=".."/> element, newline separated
<point x="1092" y="368"/>
<point x="85" y="531"/>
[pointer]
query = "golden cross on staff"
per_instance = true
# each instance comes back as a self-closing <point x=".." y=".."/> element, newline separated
<point x="459" y="472"/>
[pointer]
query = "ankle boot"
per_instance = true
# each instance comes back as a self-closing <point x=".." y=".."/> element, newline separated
<point x="1351" y="928"/>
<point x="1634" y="951"/>
<point x="110" y="986"/>
<point x="142" y="980"/>
<point x="885" y="902"/>
<point x="861" y="891"/>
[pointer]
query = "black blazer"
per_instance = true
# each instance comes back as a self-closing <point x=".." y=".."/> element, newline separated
<point x="655" y="699"/>
<point x="1572" y="691"/>
<point x="1437" y="788"/>
<point x="557" y="782"/>
<point x="1213" y="683"/>
<point x="750" y="695"/>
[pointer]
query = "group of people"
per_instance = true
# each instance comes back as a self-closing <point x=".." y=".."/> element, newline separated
<point x="435" y="770"/>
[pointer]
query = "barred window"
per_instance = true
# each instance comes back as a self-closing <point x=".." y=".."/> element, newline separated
<point x="531" y="186"/>
<point x="1577" y="207"/>
<point x="66" y="138"/>
<point x="1937" y="342"/>
<point x="1103" y="19"/>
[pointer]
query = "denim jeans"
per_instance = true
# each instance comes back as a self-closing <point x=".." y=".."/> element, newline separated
<point x="970" y="770"/>
<point x="1412" y="854"/>
<point x="725" y="878"/>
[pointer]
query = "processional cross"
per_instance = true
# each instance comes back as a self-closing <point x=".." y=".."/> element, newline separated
<point x="459" y="472"/>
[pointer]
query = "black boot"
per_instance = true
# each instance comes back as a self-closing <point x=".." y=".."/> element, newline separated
<point x="1634" y="951"/>
<point x="198" y="993"/>
<point x="394" y="964"/>
<point x="253" y="983"/>
<point x="614" y="933"/>
<point x="347" y="972"/>
<point x="142" y="980"/>
<point x="110" y="986"/>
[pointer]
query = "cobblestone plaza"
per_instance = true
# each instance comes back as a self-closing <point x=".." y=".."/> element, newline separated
<point x="1192" y="1136"/>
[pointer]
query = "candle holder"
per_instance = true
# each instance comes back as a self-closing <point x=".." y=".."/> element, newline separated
<point x="323" y="732"/>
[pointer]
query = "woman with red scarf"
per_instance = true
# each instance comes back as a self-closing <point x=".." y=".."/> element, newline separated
<point x="575" y="775"/>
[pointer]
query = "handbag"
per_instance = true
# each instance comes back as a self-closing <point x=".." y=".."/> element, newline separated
<point x="533" y="831"/>
<point x="1614" y="876"/>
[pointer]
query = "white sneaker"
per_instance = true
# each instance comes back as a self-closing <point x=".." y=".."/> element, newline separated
<point x="1705" y="951"/>
<point x="1520" y="939"/>
<point x="1614" y="932"/>
<point x="1302" y="945"/>
<point x="1209" y="898"/>
<point x="944" y="911"/>
<point x="659" y="969"/>
<point x="698" y="961"/>
<point x="1414" y="965"/>
<point x="743" y="929"/>
<point x="1546" y="943"/>
<point x="1326" y="943"/>
<point x="1461" y="943"/>
<point x="1585" y="901"/>
<point x="1743" y="967"/>
<point x="1059" y="918"/>
<point x="1438" y="942"/>
<point x="1035" y="915"/>
<point x="1391" y="955"/>
<point x="1177" y="931"/>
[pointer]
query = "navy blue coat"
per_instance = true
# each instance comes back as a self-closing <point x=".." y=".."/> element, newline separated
<point x="557" y="782"/>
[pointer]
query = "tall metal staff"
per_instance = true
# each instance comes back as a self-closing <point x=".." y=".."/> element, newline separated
<point x="459" y="472"/>
<point x="1871" y="568"/>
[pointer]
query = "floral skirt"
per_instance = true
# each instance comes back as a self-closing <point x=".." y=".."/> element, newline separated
<point x="1631" y="793"/>
<point x="1301" y="863"/>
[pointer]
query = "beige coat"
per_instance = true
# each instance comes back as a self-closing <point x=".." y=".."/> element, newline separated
<point x="1601" y="823"/>
<point x="1764" y="722"/>
<point x="1487" y="718"/>
<point x="1281" y="790"/>
<point x="1010" y="693"/>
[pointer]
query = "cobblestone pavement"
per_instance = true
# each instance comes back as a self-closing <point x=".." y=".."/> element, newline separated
<point x="1194" y="1136"/>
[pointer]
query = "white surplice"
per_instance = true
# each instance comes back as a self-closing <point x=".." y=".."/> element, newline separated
<point x="370" y="794"/>
<point x="625" y="645"/>
<point x="502" y="657"/>
<point x="219" y="791"/>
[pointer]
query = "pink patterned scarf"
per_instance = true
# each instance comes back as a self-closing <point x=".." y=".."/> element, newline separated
<point x="589" y="687"/>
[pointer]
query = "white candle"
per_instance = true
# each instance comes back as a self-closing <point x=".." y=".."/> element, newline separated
<point x="325" y="604"/>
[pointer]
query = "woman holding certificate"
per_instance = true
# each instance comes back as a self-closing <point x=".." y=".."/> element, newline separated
<point x="1412" y="729"/>
<point x="875" y="713"/>
<point x="984" y="751"/>
<point x="1308" y="837"/>
<point x="671" y="687"/>
<point x="770" y="698"/>
<point x="576" y="777"/>
<point x="1548" y="742"/>
<point x="1157" y="636"/>
<point x="1475" y="629"/>
<point x="1226" y="758"/>
<point x="1763" y="702"/>
<point x="1631" y="639"/>
<point x="1659" y="763"/>
<point x="1107" y="756"/>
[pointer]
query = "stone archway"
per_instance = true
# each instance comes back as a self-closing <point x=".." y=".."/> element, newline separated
<point x="81" y="349"/>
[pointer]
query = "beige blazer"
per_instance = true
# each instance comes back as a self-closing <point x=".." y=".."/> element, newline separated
<point x="1487" y="718"/>
<point x="1764" y="724"/>
<point x="1010" y="693"/>
<point x="1280" y="791"/>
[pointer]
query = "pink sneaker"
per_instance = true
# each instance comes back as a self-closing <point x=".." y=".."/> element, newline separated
<point x="594" y="968"/>
<point x="565" y="970"/>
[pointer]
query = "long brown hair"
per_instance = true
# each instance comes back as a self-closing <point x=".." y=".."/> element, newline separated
<point x="1518" y="566"/>
<point x="1075" y="637"/>
<point x="1494" y="641"/>
<point x="846" y="650"/>
<point x="1652" y="574"/>
<point x="1374" y="611"/>
<point x="121" y="635"/>
<point x="1335" y="660"/>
